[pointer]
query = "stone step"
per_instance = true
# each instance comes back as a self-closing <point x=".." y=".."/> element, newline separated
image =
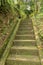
<point x="25" y="25"/>
<point x="22" y="60"/>
<point x="24" y="40"/>
<point x="24" y="43"/>
<point x="21" y="50"/>
<point x="25" y="32"/>
<point x="24" y="37"/>
<point x="25" y="29"/>
<point x="26" y="22"/>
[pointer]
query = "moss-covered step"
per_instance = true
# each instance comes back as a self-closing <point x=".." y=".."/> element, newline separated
<point x="25" y="29"/>
<point x="22" y="60"/>
<point x="21" y="50"/>
<point x="25" y="37"/>
<point x="24" y="43"/>
<point x="28" y="25"/>
<point x="25" y="32"/>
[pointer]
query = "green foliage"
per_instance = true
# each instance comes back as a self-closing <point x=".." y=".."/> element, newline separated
<point x="38" y="17"/>
<point x="7" y="6"/>
<point x="41" y="6"/>
<point x="32" y="4"/>
<point x="28" y="12"/>
<point x="4" y="8"/>
<point x="15" y="7"/>
<point x="39" y="25"/>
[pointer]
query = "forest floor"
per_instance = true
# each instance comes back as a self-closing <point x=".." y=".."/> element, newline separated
<point x="5" y="29"/>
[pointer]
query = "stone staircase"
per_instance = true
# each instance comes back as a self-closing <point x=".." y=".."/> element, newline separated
<point x="24" y="50"/>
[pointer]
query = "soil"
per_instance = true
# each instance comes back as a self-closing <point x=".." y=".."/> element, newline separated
<point x="5" y="29"/>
